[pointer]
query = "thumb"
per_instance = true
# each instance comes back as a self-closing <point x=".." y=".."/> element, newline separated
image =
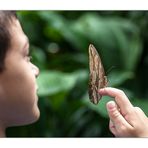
<point x="115" y="116"/>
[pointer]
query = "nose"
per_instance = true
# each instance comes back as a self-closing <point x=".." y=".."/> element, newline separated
<point x="36" y="70"/>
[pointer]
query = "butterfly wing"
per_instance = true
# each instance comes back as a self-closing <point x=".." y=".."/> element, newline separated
<point x="97" y="78"/>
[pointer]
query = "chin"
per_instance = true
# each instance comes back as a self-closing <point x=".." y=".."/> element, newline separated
<point x="35" y="116"/>
<point x="27" y="119"/>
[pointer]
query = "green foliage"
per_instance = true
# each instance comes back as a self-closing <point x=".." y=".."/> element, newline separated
<point x="59" y="47"/>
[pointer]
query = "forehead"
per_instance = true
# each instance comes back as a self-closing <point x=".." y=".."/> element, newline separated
<point x="18" y="37"/>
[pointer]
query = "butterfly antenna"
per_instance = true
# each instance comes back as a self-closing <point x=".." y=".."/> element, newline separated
<point x="110" y="69"/>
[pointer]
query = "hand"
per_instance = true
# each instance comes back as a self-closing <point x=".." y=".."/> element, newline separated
<point x="125" y="119"/>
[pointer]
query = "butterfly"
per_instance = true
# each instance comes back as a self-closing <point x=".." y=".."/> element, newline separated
<point x="97" y="78"/>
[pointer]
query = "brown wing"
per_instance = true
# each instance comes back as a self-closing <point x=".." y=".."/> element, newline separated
<point x="97" y="78"/>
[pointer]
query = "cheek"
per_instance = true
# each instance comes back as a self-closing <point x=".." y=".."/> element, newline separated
<point x="25" y="84"/>
<point x="20" y="85"/>
<point x="21" y="97"/>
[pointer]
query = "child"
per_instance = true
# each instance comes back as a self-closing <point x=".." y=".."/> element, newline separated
<point x="18" y="88"/>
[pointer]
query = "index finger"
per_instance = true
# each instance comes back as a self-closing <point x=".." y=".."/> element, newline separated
<point x="120" y="98"/>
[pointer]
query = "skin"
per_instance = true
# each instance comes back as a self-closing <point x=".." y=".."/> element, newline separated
<point x="18" y="88"/>
<point x="125" y="119"/>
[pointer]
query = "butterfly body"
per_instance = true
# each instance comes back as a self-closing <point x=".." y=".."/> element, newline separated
<point x="97" y="78"/>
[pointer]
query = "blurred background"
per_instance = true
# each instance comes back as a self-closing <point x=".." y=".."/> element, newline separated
<point x="59" y="43"/>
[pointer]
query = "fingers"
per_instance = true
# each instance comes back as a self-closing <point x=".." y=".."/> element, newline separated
<point x="117" y="122"/>
<point x="125" y="119"/>
<point x="112" y="128"/>
<point x="115" y="115"/>
<point x="120" y="98"/>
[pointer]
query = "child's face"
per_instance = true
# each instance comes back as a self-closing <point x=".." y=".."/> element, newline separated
<point x="18" y="88"/>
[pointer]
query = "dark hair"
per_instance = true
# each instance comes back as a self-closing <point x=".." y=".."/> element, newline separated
<point x="6" y="18"/>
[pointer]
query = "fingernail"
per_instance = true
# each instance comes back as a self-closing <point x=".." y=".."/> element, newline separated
<point x="111" y="105"/>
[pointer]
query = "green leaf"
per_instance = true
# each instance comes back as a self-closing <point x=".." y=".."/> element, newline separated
<point x="127" y="38"/>
<point x="52" y="82"/>
<point x="117" y="78"/>
<point x="100" y="107"/>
